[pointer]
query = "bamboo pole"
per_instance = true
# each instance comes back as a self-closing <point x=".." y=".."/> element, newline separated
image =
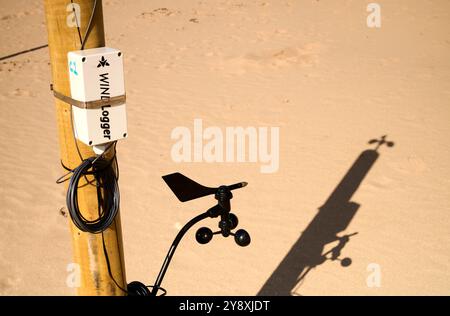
<point x="88" y="248"/>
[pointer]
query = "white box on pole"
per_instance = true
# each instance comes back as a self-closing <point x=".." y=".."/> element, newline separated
<point x="97" y="74"/>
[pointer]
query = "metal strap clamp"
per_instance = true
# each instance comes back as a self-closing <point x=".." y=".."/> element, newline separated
<point x="96" y="104"/>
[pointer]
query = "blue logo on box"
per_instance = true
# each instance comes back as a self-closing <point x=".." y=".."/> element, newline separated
<point x="73" y="67"/>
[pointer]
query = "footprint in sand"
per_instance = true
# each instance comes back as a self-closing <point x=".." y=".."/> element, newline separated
<point x="160" y="12"/>
<point x="380" y="183"/>
<point x="411" y="165"/>
<point x="9" y="66"/>
<point x="8" y="282"/>
<point x="165" y="66"/>
<point x="291" y="56"/>
<point x="112" y="2"/>
<point x="21" y="93"/>
<point x="417" y="164"/>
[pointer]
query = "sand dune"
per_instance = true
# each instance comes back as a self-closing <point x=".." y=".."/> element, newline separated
<point x="312" y="68"/>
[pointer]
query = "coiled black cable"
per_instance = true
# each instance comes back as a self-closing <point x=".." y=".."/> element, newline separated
<point x="107" y="192"/>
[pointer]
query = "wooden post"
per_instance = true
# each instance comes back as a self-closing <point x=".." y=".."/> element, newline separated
<point x="63" y="36"/>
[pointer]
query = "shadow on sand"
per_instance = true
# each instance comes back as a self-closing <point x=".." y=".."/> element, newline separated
<point x="333" y="217"/>
<point x="23" y="52"/>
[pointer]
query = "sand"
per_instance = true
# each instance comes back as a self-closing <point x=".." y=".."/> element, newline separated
<point x="312" y="68"/>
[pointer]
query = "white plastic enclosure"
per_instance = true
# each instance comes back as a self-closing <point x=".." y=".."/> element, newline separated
<point x="97" y="74"/>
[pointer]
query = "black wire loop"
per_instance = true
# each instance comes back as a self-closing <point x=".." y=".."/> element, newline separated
<point x="107" y="192"/>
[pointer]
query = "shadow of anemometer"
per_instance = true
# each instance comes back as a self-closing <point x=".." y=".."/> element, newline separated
<point x="333" y="217"/>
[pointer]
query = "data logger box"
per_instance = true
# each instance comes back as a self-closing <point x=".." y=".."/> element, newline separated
<point x="98" y="92"/>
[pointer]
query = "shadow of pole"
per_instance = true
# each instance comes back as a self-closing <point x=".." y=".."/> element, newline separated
<point x="23" y="52"/>
<point x="333" y="217"/>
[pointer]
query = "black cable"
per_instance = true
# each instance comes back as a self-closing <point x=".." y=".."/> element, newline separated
<point x="65" y="177"/>
<point x="108" y="264"/>
<point x="76" y="21"/>
<point x="107" y="191"/>
<point x="88" y="29"/>
<point x="134" y="288"/>
<point x="172" y="249"/>
<point x="106" y="180"/>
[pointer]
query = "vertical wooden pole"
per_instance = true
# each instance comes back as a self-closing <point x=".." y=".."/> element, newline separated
<point x="88" y="248"/>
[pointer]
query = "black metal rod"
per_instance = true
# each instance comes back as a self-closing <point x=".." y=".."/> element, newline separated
<point x="174" y="246"/>
<point x="237" y="186"/>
